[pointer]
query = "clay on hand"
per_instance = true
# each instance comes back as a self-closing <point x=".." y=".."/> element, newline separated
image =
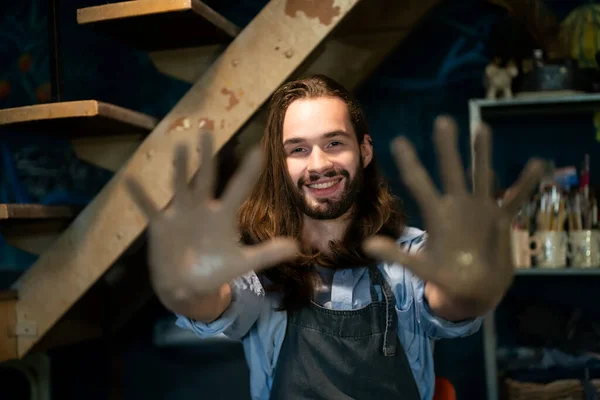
<point x="468" y="248"/>
<point x="193" y="243"/>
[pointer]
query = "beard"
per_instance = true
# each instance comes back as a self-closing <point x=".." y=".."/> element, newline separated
<point x="330" y="208"/>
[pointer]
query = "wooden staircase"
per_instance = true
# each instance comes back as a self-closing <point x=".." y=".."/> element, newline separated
<point x="233" y="73"/>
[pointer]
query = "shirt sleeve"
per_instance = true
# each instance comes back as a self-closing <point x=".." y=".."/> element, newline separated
<point x="247" y="297"/>
<point x="439" y="328"/>
<point x="432" y="325"/>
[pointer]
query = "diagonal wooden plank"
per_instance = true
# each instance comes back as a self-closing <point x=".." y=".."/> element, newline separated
<point x="261" y="57"/>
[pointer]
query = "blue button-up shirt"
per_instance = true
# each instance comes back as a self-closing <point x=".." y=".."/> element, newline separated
<point x="251" y="317"/>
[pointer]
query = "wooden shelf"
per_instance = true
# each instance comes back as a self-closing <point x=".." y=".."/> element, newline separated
<point x="152" y="25"/>
<point x="76" y="118"/>
<point x="35" y="212"/>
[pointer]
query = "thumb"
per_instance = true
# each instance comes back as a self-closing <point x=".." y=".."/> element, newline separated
<point x="386" y="249"/>
<point x="270" y="253"/>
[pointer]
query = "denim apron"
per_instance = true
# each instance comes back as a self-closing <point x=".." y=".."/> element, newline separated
<point x="339" y="354"/>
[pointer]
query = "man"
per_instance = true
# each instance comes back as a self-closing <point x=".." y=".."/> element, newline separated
<point x="319" y="316"/>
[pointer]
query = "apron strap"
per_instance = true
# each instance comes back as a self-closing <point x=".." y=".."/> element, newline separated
<point x="374" y="294"/>
<point x="391" y="319"/>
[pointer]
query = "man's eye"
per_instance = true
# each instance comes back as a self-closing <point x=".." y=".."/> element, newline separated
<point x="334" y="143"/>
<point x="297" y="150"/>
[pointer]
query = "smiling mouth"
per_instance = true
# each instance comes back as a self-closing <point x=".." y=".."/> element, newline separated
<point x="324" y="185"/>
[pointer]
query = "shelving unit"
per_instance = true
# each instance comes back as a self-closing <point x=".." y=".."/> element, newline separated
<point x="489" y="110"/>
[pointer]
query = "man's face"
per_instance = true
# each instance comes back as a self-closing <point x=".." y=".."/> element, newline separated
<point x="324" y="158"/>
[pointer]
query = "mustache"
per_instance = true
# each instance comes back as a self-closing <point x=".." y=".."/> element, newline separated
<point x="329" y="174"/>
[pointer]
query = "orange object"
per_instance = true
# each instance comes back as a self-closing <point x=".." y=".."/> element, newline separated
<point x="444" y="390"/>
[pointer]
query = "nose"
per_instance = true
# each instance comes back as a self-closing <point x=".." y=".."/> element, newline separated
<point x="319" y="161"/>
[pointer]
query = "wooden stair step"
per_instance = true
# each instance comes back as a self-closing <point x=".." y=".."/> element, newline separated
<point x="35" y="212"/>
<point x="152" y="25"/>
<point x="76" y="118"/>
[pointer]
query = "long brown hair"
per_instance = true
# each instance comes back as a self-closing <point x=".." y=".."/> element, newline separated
<point x="270" y="211"/>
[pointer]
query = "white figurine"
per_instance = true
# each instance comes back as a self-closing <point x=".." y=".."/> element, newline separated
<point x="499" y="79"/>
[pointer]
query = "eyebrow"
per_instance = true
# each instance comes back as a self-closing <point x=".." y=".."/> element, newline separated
<point x="327" y="135"/>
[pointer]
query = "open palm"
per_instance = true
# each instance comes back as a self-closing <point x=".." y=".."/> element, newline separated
<point x="194" y="242"/>
<point x="468" y="251"/>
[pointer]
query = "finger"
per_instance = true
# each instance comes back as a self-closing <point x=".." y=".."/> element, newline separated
<point x="203" y="183"/>
<point x="386" y="249"/>
<point x="525" y="185"/>
<point x="270" y="253"/>
<point x="483" y="160"/>
<point x="141" y="198"/>
<point x="415" y="177"/>
<point x="451" y="168"/>
<point x="180" y="172"/>
<point x="242" y="181"/>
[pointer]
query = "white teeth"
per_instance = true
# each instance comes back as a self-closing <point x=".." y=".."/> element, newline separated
<point x="323" y="185"/>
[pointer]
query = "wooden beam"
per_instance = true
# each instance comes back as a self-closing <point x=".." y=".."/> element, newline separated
<point x="152" y="25"/>
<point x="79" y="118"/>
<point x="259" y="59"/>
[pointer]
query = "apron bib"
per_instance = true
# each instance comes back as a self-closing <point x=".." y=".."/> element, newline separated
<point x="339" y="354"/>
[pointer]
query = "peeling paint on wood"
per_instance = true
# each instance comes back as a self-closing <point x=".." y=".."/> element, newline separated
<point x="207" y="123"/>
<point x="233" y="100"/>
<point x="180" y="124"/>
<point x="321" y="9"/>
